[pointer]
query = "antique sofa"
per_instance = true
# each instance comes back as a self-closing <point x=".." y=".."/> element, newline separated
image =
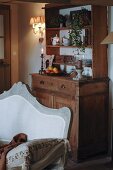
<point x="47" y="131"/>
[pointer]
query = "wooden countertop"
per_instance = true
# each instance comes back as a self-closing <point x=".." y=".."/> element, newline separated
<point x="67" y="77"/>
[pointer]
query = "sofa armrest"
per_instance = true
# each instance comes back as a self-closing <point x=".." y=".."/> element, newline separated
<point x="18" y="157"/>
<point x="29" y="153"/>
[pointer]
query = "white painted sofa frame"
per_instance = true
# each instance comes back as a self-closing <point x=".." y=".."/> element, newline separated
<point x="22" y="113"/>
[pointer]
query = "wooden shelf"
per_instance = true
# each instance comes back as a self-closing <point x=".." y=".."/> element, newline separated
<point x="63" y="28"/>
<point x="58" y="46"/>
<point x="71" y="64"/>
<point x="62" y="63"/>
<point x="53" y="46"/>
<point x="66" y="28"/>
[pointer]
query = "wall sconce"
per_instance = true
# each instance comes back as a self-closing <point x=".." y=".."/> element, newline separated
<point x="38" y="26"/>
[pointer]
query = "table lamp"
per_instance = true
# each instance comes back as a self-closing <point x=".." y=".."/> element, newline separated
<point x="108" y="39"/>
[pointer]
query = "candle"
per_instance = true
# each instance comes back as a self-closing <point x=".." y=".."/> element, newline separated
<point x="42" y="51"/>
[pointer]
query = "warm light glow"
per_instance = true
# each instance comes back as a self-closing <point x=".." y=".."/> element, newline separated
<point x="108" y="39"/>
<point x="38" y="24"/>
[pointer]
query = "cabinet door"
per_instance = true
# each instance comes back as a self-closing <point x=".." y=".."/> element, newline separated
<point x="62" y="102"/>
<point x="93" y="126"/>
<point x="72" y="104"/>
<point x="5" y="61"/>
<point x="44" y="98"/>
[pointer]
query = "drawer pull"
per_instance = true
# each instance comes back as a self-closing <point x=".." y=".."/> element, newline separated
<point x="63" y="86"/>
<point x="41" y="82"/>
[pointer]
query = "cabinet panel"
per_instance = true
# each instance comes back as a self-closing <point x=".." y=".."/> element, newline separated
<point x="60" y="101"/>
<point x="99" y="51"/>
<point x="93" y="125"/>
<point x="5" y="49"/>
<point x="68" y="101"/>
<point x="44" y="98"/>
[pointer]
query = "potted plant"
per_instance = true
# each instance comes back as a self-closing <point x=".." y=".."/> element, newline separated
<point x="77" y="23"/>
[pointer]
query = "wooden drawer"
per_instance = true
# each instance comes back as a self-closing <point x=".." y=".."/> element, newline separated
<point x="54" y="84"/>
<point x="43" y="83"/>
<point x="66" y="87"/>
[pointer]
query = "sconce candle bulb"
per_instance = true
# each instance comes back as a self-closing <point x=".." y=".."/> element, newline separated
<point x="42" y="51"/>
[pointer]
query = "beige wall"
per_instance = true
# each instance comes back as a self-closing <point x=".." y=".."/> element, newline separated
<point x="29" y="47"/>
<point x="14" y="44"/>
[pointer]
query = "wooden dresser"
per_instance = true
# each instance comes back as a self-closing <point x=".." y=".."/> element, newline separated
<point x="88" y="101"/>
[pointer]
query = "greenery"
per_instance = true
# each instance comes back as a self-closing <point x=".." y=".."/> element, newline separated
<point x="61" y="19"/>
<point x="75" y="32"/>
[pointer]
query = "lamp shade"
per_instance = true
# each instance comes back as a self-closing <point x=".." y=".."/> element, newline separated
<point x="108" y="39"/>
<point x="31" y="21"/>
<point x="37" y="20"/>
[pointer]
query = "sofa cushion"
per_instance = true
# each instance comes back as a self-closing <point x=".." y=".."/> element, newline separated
<point x="33" y="151"/>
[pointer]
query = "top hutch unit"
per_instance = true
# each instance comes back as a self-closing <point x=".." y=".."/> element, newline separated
<point x="97" y="30"/>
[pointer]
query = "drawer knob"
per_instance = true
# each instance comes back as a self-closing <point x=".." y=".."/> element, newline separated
<point x="41" y="82"/>
<point x="63" y="86"/>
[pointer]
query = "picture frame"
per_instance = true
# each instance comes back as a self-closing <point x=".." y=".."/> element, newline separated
<point x="48" y="61"/>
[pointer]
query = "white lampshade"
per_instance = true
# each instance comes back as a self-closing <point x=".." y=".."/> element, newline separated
<point x="108" y="39"/>
<point x="38" y="25"/>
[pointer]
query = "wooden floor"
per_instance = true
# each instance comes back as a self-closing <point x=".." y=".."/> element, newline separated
<point x="96" y="164"/>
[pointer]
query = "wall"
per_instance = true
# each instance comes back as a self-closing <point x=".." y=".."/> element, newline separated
<point x="14" y="44"/>
<point x="29" y="47"/>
